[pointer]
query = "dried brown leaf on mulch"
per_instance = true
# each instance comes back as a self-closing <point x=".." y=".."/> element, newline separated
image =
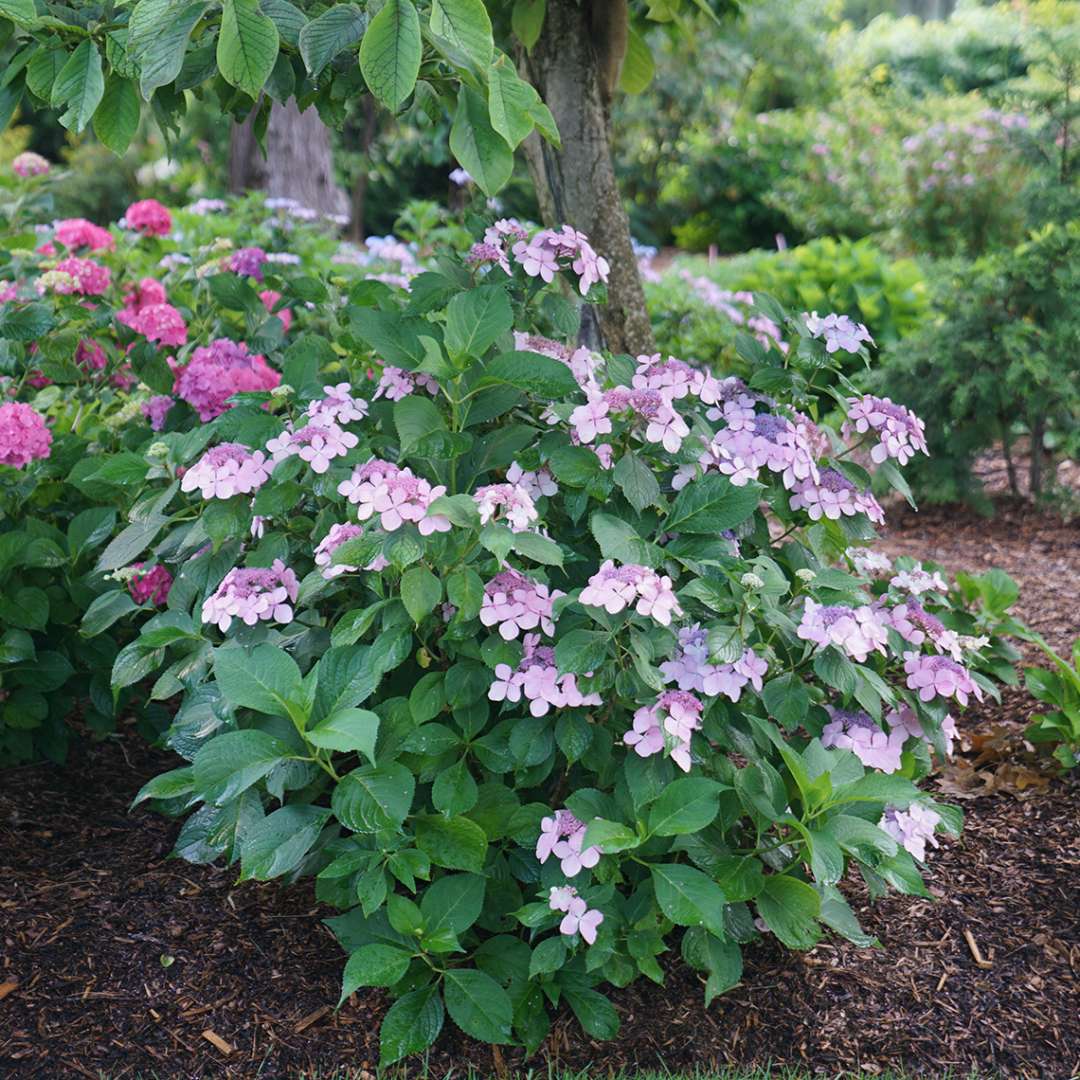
<point x="114" y="957"/>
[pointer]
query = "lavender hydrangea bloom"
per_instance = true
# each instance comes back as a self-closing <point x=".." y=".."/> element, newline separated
<point x="855" y="731"/>
<point x="838" y="331"/>
<point x="251" y="594"/>
<point x="912" y="829"/>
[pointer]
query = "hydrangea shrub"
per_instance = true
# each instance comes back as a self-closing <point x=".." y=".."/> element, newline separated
<point x="544" y="662"/>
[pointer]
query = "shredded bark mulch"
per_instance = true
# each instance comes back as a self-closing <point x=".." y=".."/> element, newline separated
<point x="116" y="959"/>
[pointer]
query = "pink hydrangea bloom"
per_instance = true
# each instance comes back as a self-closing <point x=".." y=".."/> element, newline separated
<point x="324" y="553"/>
<point x="901" y="434"/>
<point x="867" y="561"/>
<point x="753" y="441"/>
<point x="29" y="164"/>
<point x="537" y="679"/>
<point x="552" y="250"/>
<point x="396" y="495"/>
<point x="536" y="484"/>
<point x="912" y="829"/>
<point x="149" y="217"/>
<point x="918" y="581"/>
<point x="337" y="407"/>
<point x="690" y="668"/>
<point x="271" y="298"/>
<point x="855" y="731"/>
<point x="90" y="356"/>
<point x="838" y="331"/>
<point x="87" y="278"/>
<point x="509" y="503"/>
<point x="591" y="419"/>
<point x="219" y="370"/>
<point x="482" y="252"/>
<point x="917" y="626"/>
<point x="905" y="720"/>
<point x="156" y="410"/>
<point x="23" y="435"/>
<point x="227" y="470"/>
<point x="615" y="587"/>
<point x="939" y="676"/>
<point x="78" y="232"/>
<point x="855" y="631"/>
<point x="675" y="713"/>
<point x="248" y="262"/>
<point x="562" y="837"/>
<point x="396" y="383"/>
<point x="150" y="586"/>
<point x="317" y="444"/>
<point x="832" y="496"/>
<point x="253" y="594"/>
<point x="579" y="918"/>
<point x="515" y="603"/>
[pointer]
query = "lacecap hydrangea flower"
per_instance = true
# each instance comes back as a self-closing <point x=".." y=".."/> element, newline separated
<point x="396" y="495"/>
<point x="579" y="918"/>
<point x="912" y="829"/>
<point x="939" y="676"/>
<point x="227" y="470"/>
<point x="316" y="443"/>
<point x="856" y="631"/>
<point x="691" y="669"/>
<point x="515" y="603"/>
<point x="562" y="836"/>
<point x="615" y="587"/>
<point x="324" y="553"/>
<point x="854" y="730"/>
<point x="251" y="594"/>
<point x="675" y="713"/>
<point x="838" y="331"/>
<point x="901" y="434"/>
<point x="537" y="679"/>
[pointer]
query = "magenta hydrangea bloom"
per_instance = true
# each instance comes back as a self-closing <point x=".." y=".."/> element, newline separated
<point x="537" y="679"/>
<point x="939" y="676"/>
<point x="509" y="503"/>
<point x="901" y="434"/>
<point x="227" y="470"/>
<point x="219" y="370"/>
<point x="579" y="918"/>
<point x="855" y="631"/>
<point x="317" y="444"/>
<point x="270" y="299"/>
<point x="855" y="731"/>
<point x="396" y="495"/>
<point x="85" y="277"/>
<point x="24" y="436"/>
<point x="324" y="553"/>
<point x="150" y="586"/>
<point x="75" y="233"/>
<point x="515" y="603"/>
<point x="615" y="587"/>
<point x="156" y="410"/>
<point x="29" y="164"/>
<point x="253" y="594"/>
<point x="149" y="217"/>
<point x="248" y="262"/>
<point x="838" y="331"/>
<point x="912" y="829"/>
<point x="832" y="496"/>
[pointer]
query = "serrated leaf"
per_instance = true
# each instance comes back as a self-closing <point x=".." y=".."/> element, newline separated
<point x="247" y="46"/>
<point x="335" y="30"/>
<point x="390" y="52"/>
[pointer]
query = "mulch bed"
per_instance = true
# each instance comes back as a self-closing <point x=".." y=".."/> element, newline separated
<point x="114" y="957"/>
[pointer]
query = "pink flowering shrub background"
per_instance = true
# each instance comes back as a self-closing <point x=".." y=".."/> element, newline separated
<point x="541" y="661"/>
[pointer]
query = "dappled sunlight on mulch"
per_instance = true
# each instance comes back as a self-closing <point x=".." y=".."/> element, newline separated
<point x="125" y="960"/>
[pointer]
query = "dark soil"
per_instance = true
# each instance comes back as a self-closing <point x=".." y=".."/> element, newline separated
<point x="115" y="957"/>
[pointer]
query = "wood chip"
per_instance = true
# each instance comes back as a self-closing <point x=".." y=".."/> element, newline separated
<point x="977" y="956"/>
<point x="311" y="1018"/>
<point x="215" y="1039"/>
<point x="7" y="987"/>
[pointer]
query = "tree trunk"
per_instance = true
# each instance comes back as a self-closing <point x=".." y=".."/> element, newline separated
<point x="1035" y="472"/>
<point x="299" y="162"/>
<point x="363" y="177"/>
<point x="574" y="66"/>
